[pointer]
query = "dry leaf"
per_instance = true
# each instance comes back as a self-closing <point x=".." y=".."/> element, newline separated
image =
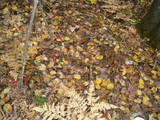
<point x="141" y="84"/>
<point x="77" y="76"/>
<point x="66" y="38"/>
<point x="7" y="108"/>
<point x="145" y="100"/>
<point x="98" y="81"/>
<point x="110" y="86"/>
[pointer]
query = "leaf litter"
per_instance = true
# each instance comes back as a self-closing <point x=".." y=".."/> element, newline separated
<point x="96" y="41"/>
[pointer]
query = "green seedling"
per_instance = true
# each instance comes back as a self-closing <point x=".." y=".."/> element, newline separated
<point x="41" y="100"/>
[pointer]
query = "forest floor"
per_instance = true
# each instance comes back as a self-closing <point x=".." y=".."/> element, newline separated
<point x="91" y="42"/>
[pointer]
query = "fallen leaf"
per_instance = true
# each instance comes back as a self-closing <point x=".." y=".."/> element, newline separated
<point x="145" y="100"/>
<point x="110" y="86"/>
<point x="38" y="93"/>
<point x="7" y="108"/>
<point x="48" y="76"/>
<point x="77" y="76"/>
<point x="141" y="84"/>
<point x="99" y="57"/>
<point x="66" y="38"/>
<point x="98" y="81"/>
<point x="42" y="67"/>
<point x="53" y="72"/>
<point x="97" y="86"/>
<point x="14" y="8"/>
<point x="6" y="90"/>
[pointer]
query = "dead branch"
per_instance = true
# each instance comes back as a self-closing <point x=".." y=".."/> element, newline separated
<point x="26" y="43"/>
<point x="46" y="23"/>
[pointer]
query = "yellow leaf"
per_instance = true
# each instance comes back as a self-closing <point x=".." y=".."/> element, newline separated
<point x="57" y="80"/>
<point x="93" y="1"/>
<point x="7" y="108"/>
<point x="97" y="86"/>
<point x="93" y="58"/>
<point x="5" y="10"/>
<point x="141" y="84"/>
<point x="116" y="48"/>
<point x="38" y="93"/>
<point x="14" y="8"/>
<point x="15" y="34"/>
<point x="58" y="40"/>
<point x="104" y="83"/>
<point x="127" y="110"/>
<point x="77" y="76"/>
<point x="32" y="50"/>
<point x="67" y="38"/>
<point x="143" y="57"/>
<point x="110" y="86"/>
<point x="59" y="66"/>
<point x="48" y="76"/>
<point x="27" y="7"/>
<point x="135" y="58"/>
<point x="154" y="89"/>
<point x="138" y="53"/>
<point x="86" y="83"/>
<point x="157" y="97"/>
<point x="65" y="62"/>
<point x="100" y="57"/>
<point x="1" y="62"/>
<point x="32" y="113"/>
<point x="68" y="84"/>
<point x="6" y="99"/>
<point x="53" y="72"/>
<point x="144" y="76"/>
<point x="145" y="100"/>
<point x="73" y="82"/>
<point x="69" y="11"/>
<point x="39" y="58"/>
<point x="124" y="71"/>
<point x="123" y="97"/>
<point x="104" y="100"/>
<point x="96" y="41"/>
<point x="123" y="103"/>
<point x="42" y="67"/>
<point x="51" y="64"/>
<point x="98" y="81"/>
<point x="101" y="39"/>
<point x="139" y="92"/>
<point x="138" y="100"/>
<point x="154" y="77"/>
<point x="6" y="90"/>
<point x="54" y="11"/>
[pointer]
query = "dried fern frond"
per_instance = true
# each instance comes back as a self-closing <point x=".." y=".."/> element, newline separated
<point x="75" y="106"/>
<point x="5" y="116"/>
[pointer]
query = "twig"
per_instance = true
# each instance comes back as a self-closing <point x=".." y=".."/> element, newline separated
<point x="46" y="23"/>
<point x="26" y="43"/>
<point x="90" y="73"/>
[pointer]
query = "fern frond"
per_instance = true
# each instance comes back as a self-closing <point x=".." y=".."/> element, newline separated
<point x="5" y="116"/>
<point x="75" y="107"/>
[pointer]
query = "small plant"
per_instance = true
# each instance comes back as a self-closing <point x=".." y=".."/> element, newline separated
<point x="41" y="100"/>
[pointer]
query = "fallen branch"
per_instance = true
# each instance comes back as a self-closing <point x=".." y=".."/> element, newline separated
<point x="26" y="42"/>
<point x="46" y="23"/>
